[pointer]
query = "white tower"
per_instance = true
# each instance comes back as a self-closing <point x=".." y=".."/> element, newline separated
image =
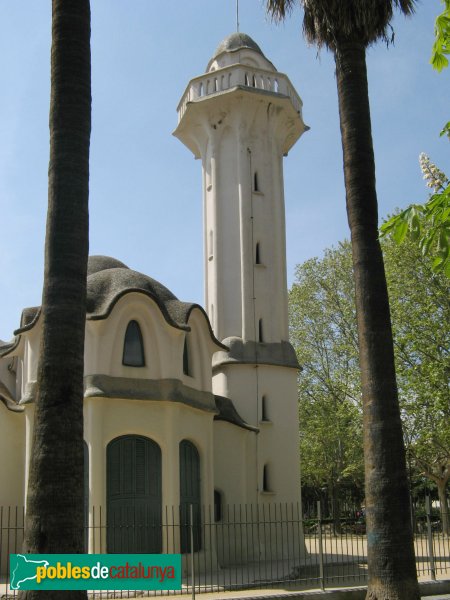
<point x="241" y="118"/>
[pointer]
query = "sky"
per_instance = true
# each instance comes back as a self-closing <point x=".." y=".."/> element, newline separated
<point x="145" y="186"/>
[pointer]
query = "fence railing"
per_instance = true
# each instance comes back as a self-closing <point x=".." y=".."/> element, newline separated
<point x="242" y="547"/>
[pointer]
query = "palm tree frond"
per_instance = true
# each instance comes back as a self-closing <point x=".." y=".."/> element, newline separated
<point x="279" y="9"/>
<point x="330" y="22"/>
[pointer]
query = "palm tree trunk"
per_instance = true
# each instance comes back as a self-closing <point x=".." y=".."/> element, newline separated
<point x="54" y="520"/>
<point x="391" y="562"/>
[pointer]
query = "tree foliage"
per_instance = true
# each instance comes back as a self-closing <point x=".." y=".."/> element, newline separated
<point x="441" y="46"/>
<point x="323" y="331"/>
<point x="420" y="304"/>
<point x="427" y="224"/>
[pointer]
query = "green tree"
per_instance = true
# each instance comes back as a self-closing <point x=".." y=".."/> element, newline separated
<point x="441" y="45"/>
<point x="347" y="29"/>
<point x="54" y="520"/>
<point x="427" y="224"/>
<point x="323" y="332"/>
<point x="420" y="304"/>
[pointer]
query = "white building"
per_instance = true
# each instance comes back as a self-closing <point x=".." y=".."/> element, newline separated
<point x="184" y="406"/>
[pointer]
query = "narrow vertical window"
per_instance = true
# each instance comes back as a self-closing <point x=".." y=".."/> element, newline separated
<point x="260" y="331"/>
<point x="133" y="347"/>
<point x="264" y="411"/>
<point x="210" y="244"/>
<point x="255" y="182"/>
<point x="266" y="479"/>
<point x="217" y="506"/>
<point x="258" y="254"/>
<point x="186" y="358"/>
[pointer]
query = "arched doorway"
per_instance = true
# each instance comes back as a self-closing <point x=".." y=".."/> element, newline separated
<point x="190" y="494"/>
<point x="134" y="495"/>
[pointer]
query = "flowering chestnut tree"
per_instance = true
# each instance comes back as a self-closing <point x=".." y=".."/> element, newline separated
<point x="429" y="223"/>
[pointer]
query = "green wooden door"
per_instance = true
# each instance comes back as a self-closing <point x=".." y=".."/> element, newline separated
<point x="134" y="495"/>
<point x="190" y="494"/>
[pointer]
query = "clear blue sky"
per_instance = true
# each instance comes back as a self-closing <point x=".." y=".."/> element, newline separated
<point x="145" y="187"/>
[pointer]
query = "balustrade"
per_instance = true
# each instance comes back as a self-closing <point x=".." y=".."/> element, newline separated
<point x="238" y="75"/>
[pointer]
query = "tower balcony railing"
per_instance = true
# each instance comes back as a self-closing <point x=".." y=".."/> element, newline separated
<point x="238" y="75"/>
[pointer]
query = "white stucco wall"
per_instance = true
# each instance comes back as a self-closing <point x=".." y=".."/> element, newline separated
<point x="12" y="452"/>
<point x="277" y="443"/>
<point x="165" y="423"/>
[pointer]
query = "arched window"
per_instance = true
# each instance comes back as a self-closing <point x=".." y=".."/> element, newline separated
<point x="133" y="347"/>
<point x="190" y="496"/>
<point x="186" y="358"/>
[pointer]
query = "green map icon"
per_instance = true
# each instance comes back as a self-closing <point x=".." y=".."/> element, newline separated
<point x="23" y="569"/>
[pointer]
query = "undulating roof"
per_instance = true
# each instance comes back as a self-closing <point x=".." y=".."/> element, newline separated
<point x="108" y="280"/>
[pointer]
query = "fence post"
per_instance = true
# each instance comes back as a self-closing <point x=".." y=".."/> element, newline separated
<point x="430" y="539"/>
<point x="319" y="531"/>
<point x="191" y="518"/>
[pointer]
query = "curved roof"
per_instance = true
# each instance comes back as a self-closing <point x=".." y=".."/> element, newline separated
<point x="237" y="41"/>
<point x="106" y="287"/>
<point x="108" y="280"/>
<point x="102" y="263"/>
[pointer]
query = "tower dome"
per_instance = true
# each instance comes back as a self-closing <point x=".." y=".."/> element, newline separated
<point x="238" y="48"/>
<point x="237" y="41"/>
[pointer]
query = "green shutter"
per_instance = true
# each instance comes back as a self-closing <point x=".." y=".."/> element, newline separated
<point x="190" y="494"/>
<point x="134" y="495"/>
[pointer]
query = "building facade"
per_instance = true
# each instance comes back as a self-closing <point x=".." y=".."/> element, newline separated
<point x="185" y="406"/>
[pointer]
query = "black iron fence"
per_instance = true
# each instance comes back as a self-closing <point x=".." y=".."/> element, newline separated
<point x="242" y="547"/>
